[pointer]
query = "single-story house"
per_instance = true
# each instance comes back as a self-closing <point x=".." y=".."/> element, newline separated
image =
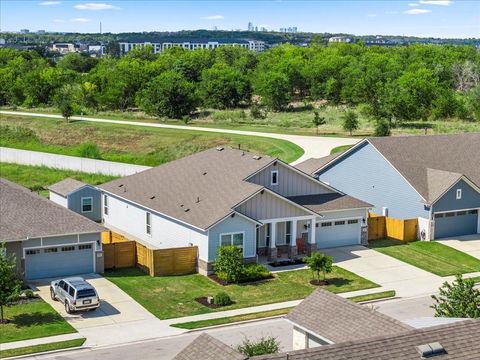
<point x="47" y="239"/>
<point x="433" y="178"/>
<point x="77" y="196"/>
<point x="225" y="196"/>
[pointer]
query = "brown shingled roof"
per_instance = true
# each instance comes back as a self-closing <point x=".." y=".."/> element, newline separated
<point x="66" y="186"/>
<point x="329" y="201"/>
<point x="310" y="166"/>
<point x="206" y="347"/>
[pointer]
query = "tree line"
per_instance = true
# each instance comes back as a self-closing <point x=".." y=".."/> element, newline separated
<point x="416" y="82"/>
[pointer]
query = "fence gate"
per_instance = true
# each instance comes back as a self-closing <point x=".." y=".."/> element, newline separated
<point x="120" y="255"/>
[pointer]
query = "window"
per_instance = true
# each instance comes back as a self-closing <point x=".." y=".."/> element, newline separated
<point x="267" y="235"/>
<point x="274" y="177"/>
<point x="353" y="221"/>
<point x="234" y="239"/>
<point x="288" y="232"/>
<point x="71" y="291"/>
<point x="339" y="223"/>
<point x="105" y="204"/>
<point x="50" y="250"/>
<point x="86" y="293"/>
<point x="84" y="247"/>
<point x="32" y="252"/>
<point x="325" y="224"/>
<point x="438" y="216"/>
<point x="473" y="212"/>
<point x="450" y="214"/>
<point x="148" y="223"/>
<point x="461" y="213"/>
<point x="87" y="204"/>
<point x="68" y="248"/>
<point x="459" y="194"/>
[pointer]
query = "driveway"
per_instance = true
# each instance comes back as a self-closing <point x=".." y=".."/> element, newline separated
<point x="392" y="274"/>
<point x="119" y="319"/>
<point x="469" y="244"/>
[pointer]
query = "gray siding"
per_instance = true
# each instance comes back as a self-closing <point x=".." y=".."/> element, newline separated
<point x="15" y="248"/>
<point x="470" y="198"/>
<point x="75" y="203"/>
<point x="267" y="206"/>
<point x="232" y="225"/>
<point x="290" y="183"/>
<point x="366" y="175"/>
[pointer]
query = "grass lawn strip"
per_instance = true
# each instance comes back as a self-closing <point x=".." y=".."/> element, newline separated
<point x="33" y="319"/>
<point x="340" y="148"/>
<point x="431" y="256"/>
<point x="374" y="296"/>
<point x="41" y="348"/>
<point x="173" y="296"/>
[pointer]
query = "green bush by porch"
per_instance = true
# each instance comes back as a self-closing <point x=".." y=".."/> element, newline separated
<point x="174" y="296"/>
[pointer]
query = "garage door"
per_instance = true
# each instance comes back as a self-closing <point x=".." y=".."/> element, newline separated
<point x="58" y="261"/>
<point x="338" y="233"/>
<point x="456" y="223"/>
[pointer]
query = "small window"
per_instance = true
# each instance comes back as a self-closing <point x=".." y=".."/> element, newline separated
<point x="337" y="223"/>
<point x="61" y="284"/>
<point x="459" y="194"/>
<point x="148" y="223"/>
<point x="84" y="247"/>
<point x="87" y="204"/>
<point x="235" y="239"/>
<point x="450" y="214"/>
<point x="32" y="252"/>
<point x="473" y="212"/>
<point x="461" y="213"/>
<point x="353" y="221"/>
<point x="71" y="291"/>
<point x="225" y="240"/>
<point x="105" y="204"/>
<point x="325" y="224"/>
<point x="274" y="177"/>
<point x="288" y="232"/>
<point x="438" y="216"/>
<point x="50" y="250"/>
<point x="68" y="248"/>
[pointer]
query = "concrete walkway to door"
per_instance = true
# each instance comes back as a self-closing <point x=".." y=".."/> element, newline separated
<point x="469" y="244"/>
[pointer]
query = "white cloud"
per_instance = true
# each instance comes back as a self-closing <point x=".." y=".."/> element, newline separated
<point x="58" y="21"/>
<point x="417" y="11"/>
<point x="214" y="17"/>
<point x="96" y="6"/>
<point x="80" y="20"/>
<point x="436" y="2"/>
<point x="414" y="4"/>
<point x="48" y="3"/>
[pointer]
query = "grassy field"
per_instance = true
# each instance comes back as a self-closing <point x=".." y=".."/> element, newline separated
<point x="431" y="256"/>
<point x="133" y="144"/>
<point x="33" y="319"/>
<point x="37" y="178"/>
<point x="174" y="296"/>
<point x="41" y="348"/>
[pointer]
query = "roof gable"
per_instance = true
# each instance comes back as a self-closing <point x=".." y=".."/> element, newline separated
<point x="66" y="186"/>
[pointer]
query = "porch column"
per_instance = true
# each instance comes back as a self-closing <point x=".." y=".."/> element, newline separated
<point x="293" y="240"/>
<point x="312" y="243"/>
<point x="272" y="250"/>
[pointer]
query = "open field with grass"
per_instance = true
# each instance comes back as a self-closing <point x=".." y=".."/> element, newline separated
<point x="130" y="144"/>
<point x="37" y="178"/>
<point x="431" y="256"/>
<point x="33" y="319"/>
<point x="41" y="348"/>
<point x="174" y="296"/>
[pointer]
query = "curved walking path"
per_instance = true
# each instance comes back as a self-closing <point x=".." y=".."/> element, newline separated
<point x="313" y="146"/>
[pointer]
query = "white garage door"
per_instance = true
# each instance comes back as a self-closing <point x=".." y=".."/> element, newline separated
<point x="338" y="233"/>
<point x="58" y="261"/>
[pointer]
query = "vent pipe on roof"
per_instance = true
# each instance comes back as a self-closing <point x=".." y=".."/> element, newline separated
<point x="430" y="350"/>
<point x="198" y="199"/>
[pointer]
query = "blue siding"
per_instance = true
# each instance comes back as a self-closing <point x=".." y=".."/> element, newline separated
<point x="366" y="175"/>
<point x="75" y="203"/>
<point x="230" y="225"/>
<point x="470" y="198"/>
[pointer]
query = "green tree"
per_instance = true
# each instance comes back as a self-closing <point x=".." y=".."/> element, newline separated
<point x="229" y="263"/>
<point x="274" y="89"/>
<point x="459" y="299"/>
<point x="113" y="49"/>
<point x="319" y="263"/>
<point x="382" y="128"/>
<point x="168" y="94"/>
<point x="350" y="121"/>
<point x="65" y="100"/>
<point x="9" y="282"/>
<point x="318" y="120"/>
<point x="263" y="346"/>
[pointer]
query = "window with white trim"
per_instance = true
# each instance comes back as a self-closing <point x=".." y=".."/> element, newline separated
<point x="148" y="223"/>
<point x="288" y="232"/>
<point x="87" y="204"/>
<point x="274" y="177"/>
<point x="459" y="194"/>
<point x="32" y="252"/>
<point x="232" y="239"/>
<point x="105" y="204"/>
<point x="267" y="234"/>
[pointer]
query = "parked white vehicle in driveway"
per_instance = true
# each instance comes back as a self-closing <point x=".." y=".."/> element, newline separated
<point x="75" y="293"/>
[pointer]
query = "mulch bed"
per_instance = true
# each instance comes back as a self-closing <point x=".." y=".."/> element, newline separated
<point x="319" y="282"/>
<point x="203" y="300"/>
<point x="286" y="263"/>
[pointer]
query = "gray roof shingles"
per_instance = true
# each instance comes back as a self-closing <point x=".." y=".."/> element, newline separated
<point x="206" y="347"/>
<point x="329" y="201"/>
<point x="25" y="214"/>
<point x="66" y="186"/>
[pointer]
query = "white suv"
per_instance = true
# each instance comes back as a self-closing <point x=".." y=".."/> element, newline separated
<point x="75" y="293"/>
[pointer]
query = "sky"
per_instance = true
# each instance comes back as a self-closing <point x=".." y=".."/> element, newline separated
<point x="436" y="18"/>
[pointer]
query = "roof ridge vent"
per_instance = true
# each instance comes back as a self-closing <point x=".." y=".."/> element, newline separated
<point x="219" y="148"/>
<point x="430" y="350"/>
<point x="256" y="157"/>
<point x="204" y="173"/>
<point x="152" y="197"/>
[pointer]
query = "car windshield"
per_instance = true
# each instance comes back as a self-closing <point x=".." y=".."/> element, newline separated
<point x="85" y="293"/>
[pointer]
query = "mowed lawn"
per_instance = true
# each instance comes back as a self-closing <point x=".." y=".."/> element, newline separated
<point x="133" y="144"/>
<point x="431" y="256"/>
<point x="31" y="320"/>
<point x="174" y="296"/>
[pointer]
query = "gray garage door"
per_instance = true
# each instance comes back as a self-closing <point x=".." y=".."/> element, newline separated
<point x="456" y="223"/>
<point x="338" y="233"/>
<point x="58" y="261"/>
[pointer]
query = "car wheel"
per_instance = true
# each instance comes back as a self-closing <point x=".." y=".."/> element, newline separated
<point x="52" y="295"/>
<point x="67" y="308"/>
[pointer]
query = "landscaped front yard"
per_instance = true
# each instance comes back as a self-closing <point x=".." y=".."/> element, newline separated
<point x="174" y="296"/>
<point x="431" y="256"/>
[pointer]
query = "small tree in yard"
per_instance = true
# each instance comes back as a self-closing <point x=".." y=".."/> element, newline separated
<point x="64" y="100"/>
<point x="319" y="262"/>
<point x="9" y="283"/>
<point x="266" y="345"/>
<point x="229" y="264"/>
<point x="459" y="299"/>
<point x="318" y="120"/>
<point x="350" y="121"/>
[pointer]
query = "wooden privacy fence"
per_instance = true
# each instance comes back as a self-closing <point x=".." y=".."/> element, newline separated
<point x="120" y="255"/>
<point x="380" y="227"/>
<point x="110" y="237"/>
<point x="174" y="261"/>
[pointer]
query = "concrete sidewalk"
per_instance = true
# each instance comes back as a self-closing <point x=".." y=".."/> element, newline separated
<point x="39" y="341"/>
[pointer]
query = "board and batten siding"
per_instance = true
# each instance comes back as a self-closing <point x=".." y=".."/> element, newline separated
<point x="290" y="182"/>
<point x="470" y="198"/>
<point x="58" y="199"/>
<point x="75" y="202"/>
<point x="235" y="224"/>
<point x="367" y="175"/>
<point x="268" y="206"/>
<point x="166" y="233"/>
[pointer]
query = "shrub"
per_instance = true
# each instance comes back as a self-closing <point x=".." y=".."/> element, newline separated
<point x="254" y="272"/>
<point x="89" y="150"/>
<point x="319" y="263"/>
<point x="266" y="345"/>
<point x="29" y="294"/>
<point x="222" y="299"/>
<point x="229" y="264"/>
<point x="382" y="128"/>
<point x="257" y="111"/>
<point x="17" y="133"/>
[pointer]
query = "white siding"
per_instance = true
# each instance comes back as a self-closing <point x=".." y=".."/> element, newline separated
<point x="58" y="199"/>
<point x="299" y="339"/>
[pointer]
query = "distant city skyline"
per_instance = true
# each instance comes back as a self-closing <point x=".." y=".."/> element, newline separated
<point x="423" y="18"/>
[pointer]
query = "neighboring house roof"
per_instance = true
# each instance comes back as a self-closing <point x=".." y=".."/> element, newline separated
<point x="310" y="166"/>
<point x="337" y="320"/>
<point x="206" y="347"/>
<point x="25" y="214"/>
<point x="66" y="186"/>
<point x="329" y="201"/>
